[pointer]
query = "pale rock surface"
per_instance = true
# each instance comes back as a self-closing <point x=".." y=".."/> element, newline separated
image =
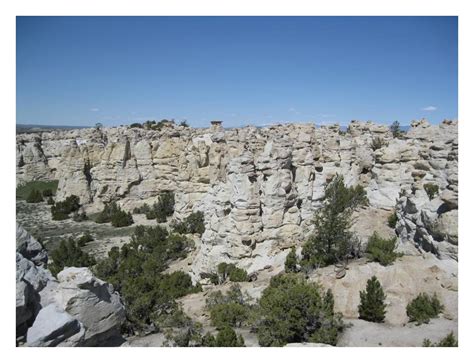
<point x="257" y="187"/>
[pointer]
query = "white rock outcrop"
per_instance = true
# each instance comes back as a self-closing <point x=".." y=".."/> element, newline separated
<point x="257" y="187"/>
<point x="76" y="309"/>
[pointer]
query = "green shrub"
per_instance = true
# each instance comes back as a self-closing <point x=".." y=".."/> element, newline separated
<point x="193" y="224"/>
<point x="184" y="124"/>
<point x="122" y="219"/>
<point x="231" y="309"/>
<point x="392" y="220"/>
<point x="431" y="190"/>
<point x="23" y="190"/>
<point x="50" y="201"/>
<point x="69" y="253"/>
<point x="332" y="240"/>
<point x="423" y="308"/>
<point x="208" y="340"/>
<point x="34" y="197"/>
<point x="227" y="338"/>
<point x="136" y="271"/>
<point x="86" y="238"/>
<point x="395" y="129"/>
<point x="61" y="209"/>
<point x="136" y="125"/>
<point x="448" y="341"/>
<point x="114" y="214"/>
<point x="293" y="310"/>
<point x="161" y="209"/>
<point x="230" y="271"/>
<point x="372" y="306"/>
<point x="382" y="250"/>
<point x="291" y="262"/>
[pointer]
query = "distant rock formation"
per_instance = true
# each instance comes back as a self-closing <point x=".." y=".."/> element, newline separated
<point x="258" y="187"/>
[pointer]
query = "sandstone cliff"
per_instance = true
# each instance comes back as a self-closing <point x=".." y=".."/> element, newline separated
<point x="258" y="187"/>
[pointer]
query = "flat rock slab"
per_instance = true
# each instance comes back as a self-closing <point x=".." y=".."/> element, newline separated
<point x="51" y="327"/>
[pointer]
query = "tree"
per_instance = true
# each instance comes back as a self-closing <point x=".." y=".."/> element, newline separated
<point x="194" y="224"/>
<point x="232" y="272"/>
<point x="372" y="306"/>
<point x="98" y="126"/>
<point x="395" y="129"/>
<point x="424" y="307"/>
<point x="332" y="240"/>
<point x="137" y="272"/>
<point x="69" y="253"/>
<point x="293" y="310"/>
<point x="184" y="124"/>
<point x="291" y="262"/>
<point x="61" y="209"/>
<point x="227" y="338"/>
<point x="382" y="250"/>
<point x="114" y="214"/>
<point x="231" y="309"/>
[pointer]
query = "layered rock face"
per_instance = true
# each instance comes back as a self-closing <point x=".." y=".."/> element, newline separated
<point x="76" y="309"/>
<point x="258" y="187"/>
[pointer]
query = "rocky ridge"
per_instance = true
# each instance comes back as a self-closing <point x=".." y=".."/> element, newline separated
<point x="258" y="187"/>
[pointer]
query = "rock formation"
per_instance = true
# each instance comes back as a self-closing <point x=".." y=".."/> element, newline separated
<point x="76" y="309"/>
<point x="258" y="187"/>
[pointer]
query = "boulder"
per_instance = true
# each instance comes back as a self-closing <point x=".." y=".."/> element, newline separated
<point x="29" y="247"/>
<point x="53" y="326"/>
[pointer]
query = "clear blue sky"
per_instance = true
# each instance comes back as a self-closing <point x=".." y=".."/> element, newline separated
<point x="242" y="70"/>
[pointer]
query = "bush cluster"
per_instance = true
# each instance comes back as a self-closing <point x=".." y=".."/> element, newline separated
<point x="423" y="308"/>
<point x="34" y="196"/>
<point x="372" y="302"/>
<point x="69" y="253"/>
<point x="332" y="240"/>
<point x="114" y="214"/>
<point x="431" y="189"/>
<point x="291" y="262"/>
<point x="61" y="209"/>
<point x="229" y="310"/>
<point x="293" y="310"/>
<point x="382" y="250"/>
<point x="230" y="271"/>
<point x="160" y="210"/>
<point x="392" y="220"/>
<point x="86" y="238"/>
<point x="193" y="224"/>
<point x="136" y="271"/>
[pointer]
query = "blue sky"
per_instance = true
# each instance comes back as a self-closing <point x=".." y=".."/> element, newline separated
<point x="242" y="70"/>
